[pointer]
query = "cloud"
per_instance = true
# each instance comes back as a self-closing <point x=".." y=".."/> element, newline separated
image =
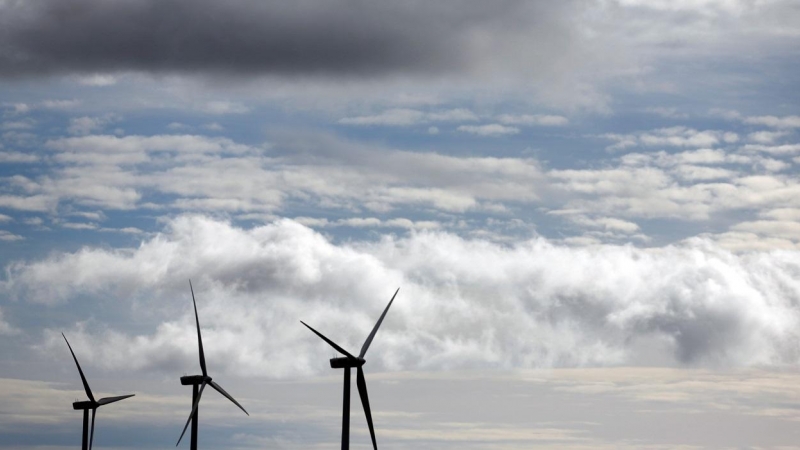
<point x="786" y="122"/>
<point x="564" y="55"/>
<point x="452" y="115"/>
<point x="25" y="108"/>
<point x="536" y="119"/>
<point x="392" y="117"/>
<point x="17" y="157"/>
<point x="607" y="223"/>
<point x="707" y="7"/>
<point x="61" y="104"/>
<point x="369" y="222"/>
<point x="766" y="137"/>
<point x="789" y="230"/>
<point x="701" y="173"/>
<point x="301" y="37"/>
<point x="213" y="126"/>
<point x="462" y="304"/>
<point x="783" y="149"/>
<point x="678" y="136"/>
<point x="79" y="226"/>
<point x="177" y="126"/>
<point x="743" y="241"/>
<point x="35" y="221"/>
<point x="97" y="216"/>
<point x="203" y="173"/>
<point x="98" y="80"/>
<point x="26" y="124"/>
<point x="135" y="148"/>
<point x="407" y="117"/>
<point x="18" y="108"/>
<point x="782" y="214"/>
<point x="39" y="203"/>
<point x="88" y="125"/>
<point x="316" y="170"/>
<point x="692" y="185"/>
<point x="5" y="328"/>
<point x="669" y="113"/>
<point x="224" y="108"/>
<point x="125" y="230"/>
<point x="9" y="237"/>
<point x="490" y="130"/>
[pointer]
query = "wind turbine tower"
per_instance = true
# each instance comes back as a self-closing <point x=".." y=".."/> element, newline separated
<point x="198" y="383"/>
<point x="86" y="442"/>
<point x="347" y="362"/>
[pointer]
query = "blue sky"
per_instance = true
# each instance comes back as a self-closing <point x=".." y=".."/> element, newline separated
<point x="575" y="198"/>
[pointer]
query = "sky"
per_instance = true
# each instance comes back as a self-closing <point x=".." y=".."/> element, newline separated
<point x="591" y="209"/>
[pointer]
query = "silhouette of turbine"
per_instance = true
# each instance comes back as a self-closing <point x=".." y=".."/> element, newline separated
<point x="347" y="362"/>
<point x="90" y="404"/>
<point x="202" y="380"/>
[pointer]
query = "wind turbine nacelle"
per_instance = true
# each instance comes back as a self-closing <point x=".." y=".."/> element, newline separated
<point x="86" y="404"/>
<point x="344" y="362"/>
<point x="191" y="380"/>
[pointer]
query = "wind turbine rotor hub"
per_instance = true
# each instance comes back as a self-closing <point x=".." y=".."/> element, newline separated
<point x="345" y="362"/>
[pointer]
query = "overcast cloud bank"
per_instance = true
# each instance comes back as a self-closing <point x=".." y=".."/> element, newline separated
<point x="307" y="37"/>
<point x="571" y="50"/>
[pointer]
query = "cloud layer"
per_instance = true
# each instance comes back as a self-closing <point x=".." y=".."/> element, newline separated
<point x="245" y="36"/>
<point x="741" y="190"/>
<point x="462" y="304"/>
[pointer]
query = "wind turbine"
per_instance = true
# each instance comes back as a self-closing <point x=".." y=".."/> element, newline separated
<point x="347" y="362"/>
<point x="202" y="381"/>
<point x="89" y="404"/>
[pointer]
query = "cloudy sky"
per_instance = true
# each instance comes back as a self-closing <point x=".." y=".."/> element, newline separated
<point x="591" y="208"/>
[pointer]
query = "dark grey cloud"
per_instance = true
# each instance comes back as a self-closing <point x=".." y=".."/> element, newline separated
<point x="255" y="37"/>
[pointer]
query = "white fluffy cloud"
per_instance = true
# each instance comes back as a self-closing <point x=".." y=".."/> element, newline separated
<point x="462" y="303"/>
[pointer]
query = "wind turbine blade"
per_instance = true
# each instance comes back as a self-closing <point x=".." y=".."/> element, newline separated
<point x="191" y="414"/>
<point x="91" y="439"/>
<point x="222" y="391"/>
<point x="377" y="325"/>
<point x="330" y="342"/>
<point x="199" y="338"/>
<point x="107" y="400"/>
<point x="83" y="378"/>
<point x="362" y="391"/>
